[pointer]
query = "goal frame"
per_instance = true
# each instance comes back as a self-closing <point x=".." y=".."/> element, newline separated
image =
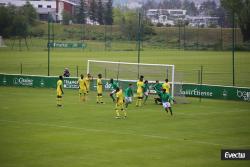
<point x="138" y="64"/>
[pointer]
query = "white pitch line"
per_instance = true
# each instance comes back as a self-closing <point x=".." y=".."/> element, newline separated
<point x="125" y="133"/>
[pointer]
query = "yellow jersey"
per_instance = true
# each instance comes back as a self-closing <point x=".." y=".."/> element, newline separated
<point x="99" y="85"/>
<point x="139" y="86"/>
<point x="166" y="86"/>
<point x="82" y="84"/>
<point x="87" y="82"/>
<point x="59" y="85"/>
<point x="119" y="96"/>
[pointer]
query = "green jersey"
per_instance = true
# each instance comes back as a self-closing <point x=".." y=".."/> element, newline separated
<point x="158" y="87"/>
<point x="165" y="97"/>
<point x="114" y="85"/>
<point x="145" y="87"/>
<point x="129" y="92"/>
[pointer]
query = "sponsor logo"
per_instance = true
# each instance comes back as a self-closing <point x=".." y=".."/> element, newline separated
<point x="70" y="84"/>
<point x="243" y="95"/>
<point x="42" y="83"/>
<point x="196" y="92"/>
<point x="107" y="85"/>
<point x="235" y="154"/>
<point x="23" y="81"/>
<point x="224" y="93"/>
<point x="4" y="81"/>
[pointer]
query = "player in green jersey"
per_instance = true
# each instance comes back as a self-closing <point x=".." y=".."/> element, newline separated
<point x="128" y="95"/>
<point x="158" y="88"/>
<point x="114" y="86"/>
<point x="166" y="98"/>
<point x="145" y="91"/>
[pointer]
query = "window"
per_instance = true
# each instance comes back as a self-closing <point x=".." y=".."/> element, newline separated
<point x="40" y="6"/>
<point x="48" y="6"/>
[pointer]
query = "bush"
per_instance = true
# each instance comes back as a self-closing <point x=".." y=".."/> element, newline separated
<point x="37" y="32"/>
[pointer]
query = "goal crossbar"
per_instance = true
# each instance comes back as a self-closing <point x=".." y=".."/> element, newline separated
<point x="138" y="64"/>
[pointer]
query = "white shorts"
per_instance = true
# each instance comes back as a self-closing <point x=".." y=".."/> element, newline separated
<point x="166" y="105"/>
<point x="128" y="99"/>
<point x="146" y="93"/>
<point x="113" y="91"/>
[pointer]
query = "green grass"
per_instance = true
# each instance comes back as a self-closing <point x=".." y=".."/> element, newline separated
<point x="36" y="133"/>
<point x="217" y="65"/>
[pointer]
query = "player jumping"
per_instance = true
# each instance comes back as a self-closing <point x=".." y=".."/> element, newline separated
<point x="158" y="88"/>
<point x="114" y="86"/>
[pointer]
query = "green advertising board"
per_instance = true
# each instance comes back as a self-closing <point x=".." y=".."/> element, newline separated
<point x="66" y="45"/>
<point x="189" y="90"/>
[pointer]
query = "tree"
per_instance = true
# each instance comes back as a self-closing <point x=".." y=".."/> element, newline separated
<point x="29" y="12"/>
<point x="19" y="27"/>
<point x="66" y="17"/>
<point x="190" y="7"/>
<point x="100" y="12"/>
<point x="240" y="8"/>
<point x="93" y="10"/>
<point x="81" y="16"/>
<point x="208" y="8"/>
<point x="5" y="21"/>
<point x="108" y="17"/>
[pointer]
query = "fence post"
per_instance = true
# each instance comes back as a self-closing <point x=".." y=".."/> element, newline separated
<point x="21" y="68"/>
<point x="77" y="70"/>
<point x="201" y="81"/>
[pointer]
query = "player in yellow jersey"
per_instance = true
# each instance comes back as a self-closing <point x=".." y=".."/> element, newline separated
<point x="166" y="86"/>
<point x="82" y="88"/>
<point x="88" y="79"/>
<point x="59" y="91"/>
<point x="140" y="85"/>
<point x="119" y="106"/>
<point x="99" y="89"/>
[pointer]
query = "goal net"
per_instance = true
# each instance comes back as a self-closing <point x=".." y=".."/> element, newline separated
<point x="132" y="71"/>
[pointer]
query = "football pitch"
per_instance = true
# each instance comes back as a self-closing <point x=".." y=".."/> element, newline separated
<point x="35" y="133"/>
<point x="217" y="66"/>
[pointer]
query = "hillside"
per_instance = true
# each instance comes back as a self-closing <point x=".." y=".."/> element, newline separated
<point x="163" y="37"/>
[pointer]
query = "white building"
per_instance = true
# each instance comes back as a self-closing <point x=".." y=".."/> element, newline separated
<point x="202" y="21"/>
<point x="166" y="16"/>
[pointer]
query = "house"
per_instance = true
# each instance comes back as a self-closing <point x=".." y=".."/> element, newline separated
<point x="54" y="7"/>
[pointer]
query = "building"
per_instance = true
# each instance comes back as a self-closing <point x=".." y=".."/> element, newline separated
<point x="203" y="21"/>
<point x="54" y="7"/>
<point x="166" y="16"/>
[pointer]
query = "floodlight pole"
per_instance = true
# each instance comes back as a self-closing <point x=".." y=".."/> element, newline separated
<point x="139" y="44"/>
<point x="233" y="49"/>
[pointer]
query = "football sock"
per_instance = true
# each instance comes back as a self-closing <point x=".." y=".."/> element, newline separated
<point x="170" y="109"/>
<point x="117" y="113"/>
<point x="146" y="98"/>
<point x="112" y="97"/>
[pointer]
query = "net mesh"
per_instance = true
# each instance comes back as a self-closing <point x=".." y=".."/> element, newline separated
<point x="130" y="71"/>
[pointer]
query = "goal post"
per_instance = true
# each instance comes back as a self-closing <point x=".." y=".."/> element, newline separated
<point x="131" y="71"/>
